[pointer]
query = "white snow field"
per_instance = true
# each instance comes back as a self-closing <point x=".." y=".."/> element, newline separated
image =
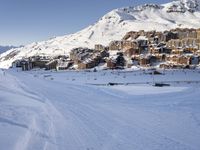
<point x="42" y="110"/>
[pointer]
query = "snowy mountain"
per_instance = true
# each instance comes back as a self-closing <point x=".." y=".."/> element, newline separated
<point x="5" y="48"/>
<point x="113" y="26"/>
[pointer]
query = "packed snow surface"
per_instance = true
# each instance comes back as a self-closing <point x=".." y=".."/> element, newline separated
<point x="80" y="111"/>
<point x="113" y="26"/>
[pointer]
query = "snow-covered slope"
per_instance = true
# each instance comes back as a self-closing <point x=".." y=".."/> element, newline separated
<point x="113" y="26"/>
<point x="5" y="48"/>
<point x="58" y="111"/>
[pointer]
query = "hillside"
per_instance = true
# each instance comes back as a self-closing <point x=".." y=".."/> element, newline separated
<point x="6" y="48"/>
<point x="113" y="26"/>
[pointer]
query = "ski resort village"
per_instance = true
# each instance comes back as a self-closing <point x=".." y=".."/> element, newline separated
<point x="177" y="48"/>
<point x="130" y="81"/>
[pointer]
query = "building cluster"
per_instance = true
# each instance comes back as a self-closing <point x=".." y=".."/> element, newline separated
<point x="58" y="62"/>
<point x="176" y="48"/>
<point x="79" y="58"/>
<point x="84" y="58"/>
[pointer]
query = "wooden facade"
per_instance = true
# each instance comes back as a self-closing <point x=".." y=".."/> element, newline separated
<point x="115" y="45"/>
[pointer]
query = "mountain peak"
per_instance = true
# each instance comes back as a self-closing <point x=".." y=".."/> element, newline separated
<point x="183" y="6"/>
<point x="142" y="7"/>
<point x="113" y="26"/>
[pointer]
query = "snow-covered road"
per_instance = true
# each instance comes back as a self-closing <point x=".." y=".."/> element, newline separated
<point x="54" y="114"/>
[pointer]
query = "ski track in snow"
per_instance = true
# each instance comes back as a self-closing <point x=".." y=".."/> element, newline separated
<point x="62" y="114"/>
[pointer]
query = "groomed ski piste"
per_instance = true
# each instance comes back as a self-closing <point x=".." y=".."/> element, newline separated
<point x="71" y="110"/>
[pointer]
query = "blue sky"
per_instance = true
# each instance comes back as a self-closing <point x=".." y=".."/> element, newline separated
<point x="26" y="21"/>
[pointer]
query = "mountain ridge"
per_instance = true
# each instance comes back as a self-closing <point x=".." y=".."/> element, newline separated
<point x="113" y="26"/>
<point x="5" y="48"/>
